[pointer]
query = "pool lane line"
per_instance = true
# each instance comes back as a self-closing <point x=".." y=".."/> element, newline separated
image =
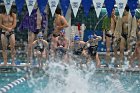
<point x="12" y="84"/>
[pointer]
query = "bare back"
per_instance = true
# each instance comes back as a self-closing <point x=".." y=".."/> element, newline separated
<point x="59" y="23"/>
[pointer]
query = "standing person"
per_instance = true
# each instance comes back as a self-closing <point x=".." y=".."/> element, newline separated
<point x="108" y="27"/>
<point x="35" y="23"/>
<point x="8" y="23"/>
<point x="92" y="46"/>
<point x="125" y="32"/>
<point x="59" y="24"/>
<point x="136" y="54"/>
<point x="40" y="49"/>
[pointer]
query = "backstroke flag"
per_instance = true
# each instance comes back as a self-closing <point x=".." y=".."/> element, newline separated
<point x="75" y="4"/>
<point x="64" y="6"/>
<point x="19" y="4"/>
<point x="98" y="6"/>
<point x="42" y="5"/>
<point x="121" y="6"/>
<point x="132" y="6"/>
<point x="53" y="5"/>
<point x="30" y="5"/>
<point x="8" y="4"/>
<point x="86" y="5"/>
<point x="109" y="4"/>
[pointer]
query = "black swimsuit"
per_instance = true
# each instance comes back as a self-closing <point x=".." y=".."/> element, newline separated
<point x="37" y="31"/>
<point x="92" y="50"/>
<point x="124" y="35"/>
<point x="62" y="43"/>
<point x="10" y="33"/>
<point x="40" y="46"/>
<point x="108" y="35"/>
<point x="78" y="51"/>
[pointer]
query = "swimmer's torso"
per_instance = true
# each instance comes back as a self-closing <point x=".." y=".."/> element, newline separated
<point x="125" y="25"/>
<point x="58" y="22"/>
<point x="7" y="20"/>
<point x="61" y="42"/>
<point x="40" y="46"/>
<point x="77" y="46"/>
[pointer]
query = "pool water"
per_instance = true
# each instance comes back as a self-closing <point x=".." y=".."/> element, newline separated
<point x="70" y="79"/>
<point x="6" y="78"/>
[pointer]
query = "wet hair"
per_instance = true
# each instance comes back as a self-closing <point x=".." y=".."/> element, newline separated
<point x="3" y="10"/>
<point x="127" y="8"/>
<point x="58" y="11"/>
<point x="13" y="9"/>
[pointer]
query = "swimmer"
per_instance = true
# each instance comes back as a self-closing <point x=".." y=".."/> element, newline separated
<point x="92" y="46"/>
<point x="8" y="23"/>
<point x="40" y="49"/>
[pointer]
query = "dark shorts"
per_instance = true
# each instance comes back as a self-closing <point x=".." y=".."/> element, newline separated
<point x="37" y="31"/>
<point x="10" y="33"/>
<point x="124" y="36"/>
<point x="109" y="35"/>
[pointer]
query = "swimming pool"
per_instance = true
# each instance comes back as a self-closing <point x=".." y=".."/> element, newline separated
<point x="69" y="79"/>
<point x="6" y="78"/>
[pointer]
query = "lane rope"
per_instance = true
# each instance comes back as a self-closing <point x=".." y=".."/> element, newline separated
<point x="12" y="84"/>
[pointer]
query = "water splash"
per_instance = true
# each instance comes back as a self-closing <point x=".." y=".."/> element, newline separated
<point x="64" y="78"/>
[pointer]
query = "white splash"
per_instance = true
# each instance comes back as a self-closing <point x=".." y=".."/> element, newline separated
<point x="71" y="79"/>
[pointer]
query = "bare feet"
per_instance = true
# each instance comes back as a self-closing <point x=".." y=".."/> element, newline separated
<point x="98" y="65"/>
<point x="13" y="64"/>
<point x="3" y="64"/>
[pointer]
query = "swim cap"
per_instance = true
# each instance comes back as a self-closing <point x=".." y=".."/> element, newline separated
<point x="40" y="35"/>
<point x="91" y="37"/>
<point x="62" y="31"/>
<point x="76" y="38"/>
